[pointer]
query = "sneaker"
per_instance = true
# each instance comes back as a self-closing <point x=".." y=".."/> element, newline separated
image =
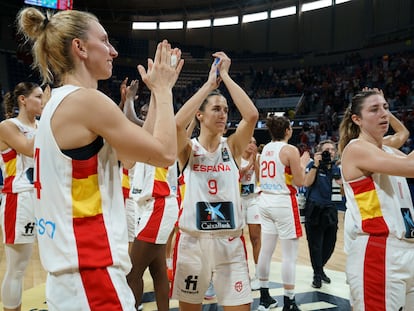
<point x="317" y="281"/>
<point x="210" y="293"/>
<point x="140" y="307"/>
<point x="255" y="283"/>
<point x="289" y="304"/>
<point x="325" y="278"/>
<point x="267" y="303"/>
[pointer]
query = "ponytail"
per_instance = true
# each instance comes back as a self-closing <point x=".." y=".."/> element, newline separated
<point x="10" y="101"/>
<point x="348" y="130"/>
<point x="10" y="105"/>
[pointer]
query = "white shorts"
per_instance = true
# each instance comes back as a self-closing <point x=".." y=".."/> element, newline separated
<point x="250" y="206"/>
<point x="350" y="231"/>
<point x="157" y="219"/>
<point x="17" y="217"/>
<point x="222" y="260"/>
<point x="95" y="289"/>
<point x="380" y="273"/>
<point x="280" y="215"/>
<point x="131" y="211"/>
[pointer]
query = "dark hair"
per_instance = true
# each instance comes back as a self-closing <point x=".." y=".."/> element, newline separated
<point x="277" y="126"/>
<point x="203" y="105"/>
<point x="205" y="101"/>
<point x="10" y="100"/>
<point x="348" y="130"/>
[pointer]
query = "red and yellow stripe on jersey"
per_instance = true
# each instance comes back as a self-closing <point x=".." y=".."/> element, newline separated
<point x="289" y="180"/>
<point x="153" y="225"/>
<point x="181" y="190"/>
<point x="90" y="233"/>
<point x="369" y="207"/>
<point x="10" y="209"/>
<point x="161" y="187"/>
<point x="126" y="185"/>
<point x="88" y="222"/>
<point x="10" y="160"/>
<point x="295" y="207"/>
<point x="373" y="223"/>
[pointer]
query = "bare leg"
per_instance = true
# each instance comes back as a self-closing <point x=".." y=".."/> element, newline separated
<point x="245" y="307"/>
<point x="184" y="306"/>
<point x="254" y="234"/>
<point x="159" y="276"/>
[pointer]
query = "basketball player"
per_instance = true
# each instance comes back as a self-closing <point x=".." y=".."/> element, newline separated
<point x="17" y="207"/>
<point x="154" y="191"/>
<point x="82" y="232"/>
<point x="250" y="204"/>
<point x="282" y="169"/>
<point x="379" y="222"/>
<point x="210" y="239"/>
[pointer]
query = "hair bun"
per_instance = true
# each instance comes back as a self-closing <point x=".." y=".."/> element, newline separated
<point x="31" y="22"/>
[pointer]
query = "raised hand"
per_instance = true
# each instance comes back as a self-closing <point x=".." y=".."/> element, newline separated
<point x="131" y="90"/>
<point x="224" y="63"/>
<point x="160" y="74"/>
<point x="213" y="79"/>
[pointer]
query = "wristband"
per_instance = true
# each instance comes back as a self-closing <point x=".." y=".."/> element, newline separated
<point x="315" y="167"/>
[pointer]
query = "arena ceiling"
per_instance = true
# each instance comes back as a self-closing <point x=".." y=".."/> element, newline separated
<point x="113" y="11"/>
<point x="164" y="10"/>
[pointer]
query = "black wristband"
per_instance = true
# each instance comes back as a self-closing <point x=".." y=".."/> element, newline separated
<point x="315" y="167"/>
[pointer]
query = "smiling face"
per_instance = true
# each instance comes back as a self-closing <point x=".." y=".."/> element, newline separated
<point x="214" y="114"/>
<point x="99" y="52"/>
<point x="374" y="116"/>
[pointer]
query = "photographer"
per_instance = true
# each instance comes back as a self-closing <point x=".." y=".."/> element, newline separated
<point x="321" y="215"/>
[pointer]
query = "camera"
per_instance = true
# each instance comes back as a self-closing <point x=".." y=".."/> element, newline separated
<point x="326" y="157"/>
<point x="325" y="161"/>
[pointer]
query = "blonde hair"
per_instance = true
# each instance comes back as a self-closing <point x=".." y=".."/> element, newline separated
<point x="348" y="130"/>
<point x="52" y="36"/>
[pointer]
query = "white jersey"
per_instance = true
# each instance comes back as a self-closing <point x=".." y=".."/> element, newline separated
<point x="275" y="177"/>
<point x="379" y="205"/>
<point x="211" y="200"/>
<point x="151" y="182"/>
<point x="248" y="181"/>
<point x="79" y="210"/>
<point x="17" y="168"/>
<point x="126" y="180"/>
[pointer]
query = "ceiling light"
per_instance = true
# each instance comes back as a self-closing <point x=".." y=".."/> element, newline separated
<point x="232" y="20"/>
<point x="199" y="23"/>
<point x="316" y="5"/>
<point x="283" y="12"/>
<point x="144" y="25"/>
<point x="248" y="18"/>
<point x="172" y="25"/>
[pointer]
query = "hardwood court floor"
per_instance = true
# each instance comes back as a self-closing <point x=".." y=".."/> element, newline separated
<point x="330" y="297"/>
